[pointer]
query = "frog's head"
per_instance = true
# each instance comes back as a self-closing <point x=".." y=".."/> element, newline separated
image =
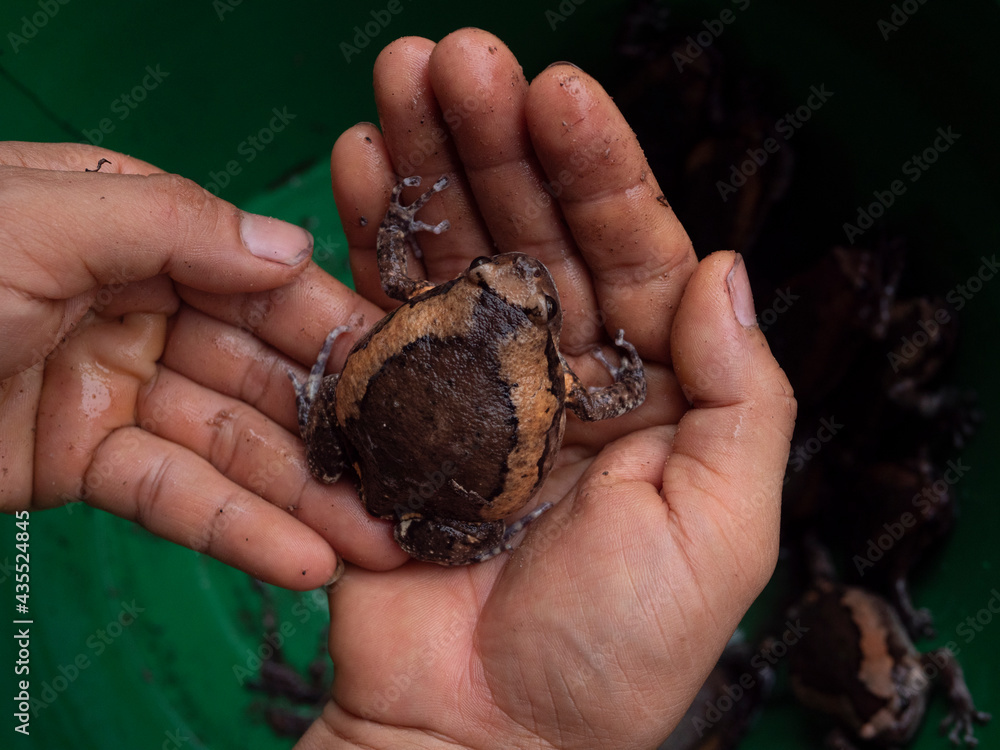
<point x="521" y="281"/>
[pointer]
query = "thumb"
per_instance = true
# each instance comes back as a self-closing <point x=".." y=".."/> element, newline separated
<point x="731" y="447"/>
<point x="72" y="231"/>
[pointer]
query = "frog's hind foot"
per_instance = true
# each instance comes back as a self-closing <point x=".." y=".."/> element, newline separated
<point x="306" y="390"/>
<point x="512" y="531"/>
<point x="627" y="392"/>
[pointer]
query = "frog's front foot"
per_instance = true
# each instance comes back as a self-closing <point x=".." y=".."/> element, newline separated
<point x="963" y="714"/>
<point x="962" y="725"/>
<point x="396" y="233"/>
<point x="405" y="216"/>
<point x="919" y="622"/>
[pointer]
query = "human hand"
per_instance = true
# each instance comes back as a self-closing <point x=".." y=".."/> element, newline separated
<point x="598" y="630"/>
<point x="115" y="391"/>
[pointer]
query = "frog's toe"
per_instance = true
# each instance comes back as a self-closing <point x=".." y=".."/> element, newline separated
<point x="962" y="722"/>
<point x="420" y="226"/>
<point x="448" y="542"/>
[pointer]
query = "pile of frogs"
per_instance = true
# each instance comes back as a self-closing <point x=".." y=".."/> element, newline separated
<point x="866" y="345"/>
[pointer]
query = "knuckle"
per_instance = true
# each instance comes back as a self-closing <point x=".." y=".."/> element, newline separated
<point x="229" y="430"/>
<point x="214" y="531"/>
<point x="151" y="491"/>
<point x="192" y="213"/>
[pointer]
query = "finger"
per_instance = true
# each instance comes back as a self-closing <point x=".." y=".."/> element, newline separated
<point x="259" y="455"/>
<point x="89" y="390"/>
<point x="232" y="361"/>
<point x="724" y="476"/>
<point x="417" y="137"/>
<point x="71" y="157"/>
<point x="181" y="497"/>
<point x="296" y="318"/>
<point x="482" y="91"/>
<point x="155" y="295"/>
<point x="129" y="227"/>
<point x="18" y="418"/>
<point x="638" y="253"/>
<point x="362" y="175"/>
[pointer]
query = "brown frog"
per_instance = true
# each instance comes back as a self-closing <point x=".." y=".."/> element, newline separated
<point x="893" y="515"/>
<point x="451" y="409"/>
<point x="856" y="663"/>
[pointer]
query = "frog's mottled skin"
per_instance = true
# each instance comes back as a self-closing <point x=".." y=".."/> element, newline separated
<point x="856" y="663"/>
<point x="451" y="409"/>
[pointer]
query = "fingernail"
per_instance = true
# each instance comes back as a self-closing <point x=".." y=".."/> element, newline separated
<point x="273" y="239"/>
<point x="562" y="62"/>
<point x="740" y="295"/>
<point x="337" y="575"/>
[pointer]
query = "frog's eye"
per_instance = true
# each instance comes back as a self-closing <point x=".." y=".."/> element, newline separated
<point x="479" y="261"/>
<point x="543" y="315"/>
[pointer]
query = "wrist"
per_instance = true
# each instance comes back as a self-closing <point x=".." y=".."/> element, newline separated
<point x="337" y="729"/>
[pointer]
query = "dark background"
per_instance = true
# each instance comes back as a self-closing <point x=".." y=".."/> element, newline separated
<point x="173" y="673"/>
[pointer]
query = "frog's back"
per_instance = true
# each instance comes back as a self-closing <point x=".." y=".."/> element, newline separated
<point x="461" y="422"/>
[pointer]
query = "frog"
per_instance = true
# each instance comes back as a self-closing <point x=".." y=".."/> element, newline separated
<point x="856" y="663"/>
<point x="896" y="512"/>
<point x="451" y="409"/>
